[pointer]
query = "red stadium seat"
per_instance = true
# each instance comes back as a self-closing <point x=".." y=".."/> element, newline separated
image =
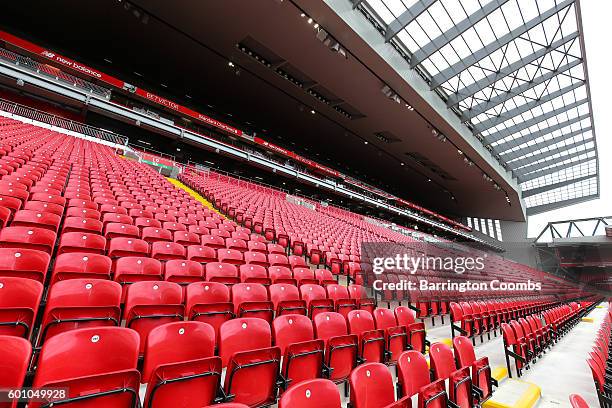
<point x="27" y="238"/>
<point x="16" y="353"/>
<point x="443" y="367"/>
<point x="480" y="369"/>
<point x="371" y="341"/>
<point x="78" y="303"/>
<point x="179" y="361"/>
<point x="165" y="251"/>
<point x="222" y="272"/>
<point x="81" y="265"/>
<point x="244" y="348"/>
<point x="201" y="253"/>
<point x="82" y="224"/>
<point x="24" y="263"/>
<point x="302" y="353"/>
<point x="316" y="299"/>
<point x="317" y="393"/>
<point x="209" y="302"/>
<point x="36" y="219"/>
<point x="19" y="301"/>
<point x="254" y="274"/>
<point x="286" y="299"/>
<point x="151" y="235"/>
<point x="183" y="272"/>
<point x="413" y="379"/>
<point x="251" y="300"/>
<point x="341" y="348"/>
<point x="372" y="386"/>
<point x="151" y="304"/>
<point x="120" y="247"/>
<point x="96" y="365"/>
<point x="81" y="242"/>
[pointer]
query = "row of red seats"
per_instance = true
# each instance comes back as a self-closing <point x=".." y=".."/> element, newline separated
<point x="600" y="361"/>
<point x="526" y="339"/>
<point x="475" y="318"/>
<point x="98" y="365"/>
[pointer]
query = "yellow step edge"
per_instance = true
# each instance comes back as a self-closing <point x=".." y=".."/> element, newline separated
<point x="588" y="319"/>
<point x="447" y="341"/>
<point x="499" y="373"/>
<point x="195" y="195"/>
<point x="529" y="397"/>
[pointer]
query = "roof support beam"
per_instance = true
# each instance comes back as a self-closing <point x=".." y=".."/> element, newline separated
<point x="491" y="79"/>
<point x="496" y="120"/>
<point x="520" y="164"/>
<point x="488" y="49"/>
<point x="515" y="154"/>
<point x="537" y="166"/>
<point x="559" y="204"/>
<point x="406" y="18"/>
<point x="499" y="135"/>
<point x="502" y="147"/>
<point x="548" y="187"/>
<point x="455" y="31"/>
<point x="557" y="167"/>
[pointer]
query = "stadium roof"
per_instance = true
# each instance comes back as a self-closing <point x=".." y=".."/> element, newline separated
<point x="515" y="72"/>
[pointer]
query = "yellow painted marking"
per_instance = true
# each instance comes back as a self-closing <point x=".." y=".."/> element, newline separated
<point x="448" y="342"/>
<point x="514" y="394"/>
<point x="195" y="195"/>
<point x="499" y="373"/>
<point x="588" y="319"/>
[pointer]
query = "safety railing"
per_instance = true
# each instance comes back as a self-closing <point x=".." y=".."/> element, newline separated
<point x="51" y="72"/>
<point x="57" y="121"/>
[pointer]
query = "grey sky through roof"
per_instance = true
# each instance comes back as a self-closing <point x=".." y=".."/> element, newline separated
<point x="514" y="72"/>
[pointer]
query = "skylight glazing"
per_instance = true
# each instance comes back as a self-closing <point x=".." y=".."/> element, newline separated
<point x="513" y="70"/>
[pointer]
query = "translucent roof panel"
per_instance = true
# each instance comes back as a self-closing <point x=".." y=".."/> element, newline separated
<point x="514" y="72"/>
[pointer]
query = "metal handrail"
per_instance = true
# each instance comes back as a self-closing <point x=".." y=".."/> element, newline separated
<point x="49" y="71"/>
<point x="57" y="121"/>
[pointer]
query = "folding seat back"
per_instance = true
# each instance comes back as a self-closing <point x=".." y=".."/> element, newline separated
<point x="230" y="256"/>
<point x="209" y="302"/>
<point x="19" y="302"/>
<point x="116" y="229"/>
<point x="24" y="263"/>
<point x="244" y="347"/>
<point x="275" y="259"/>
<point x="250" y="273"/>
<point x="36" y="219"/>
<point x="281" y="274"/>
<point x="371" y="341"/>
<point x="316" y="299"/>
<point x="237" y="244"/>
<point x="166" y="251"/>
<point x="296" y="261"/>
<point x="179" y="360"/>
<point x="186" y="238"/>
<point x="481" y="371"/>
<point x="222" y="273"/>
<point x="256" y="258"/>
<point x="304" y="275"/>
<point x="39" y="239"/>
<point x="286" y="299"/>
<point x="213" y="241"/>
<point x="144" y="222"/>
<point x="343" y="304"/>
<point x="151" y="304"/>
<point x="340" y="347"/>
<point x="201" y="254"/>
<point x="255" y="246"/>
<point x="183" y="272"/>
<point x="413" y="379"/>
<point x="251" y="300"/>
<point x="513" y="348"/>
<point x="318" y="393"/>
<point x="96" y="365"/>
<point x="16" y="353"/>
<point x="82" y="224"/>
<point x="371" y="386"/>
<point x="396" y="337"/>
<point x="120" y="247"/>
<point x="78" y="303"/>
<point x="324" y="277"/>
<point x="359" y="293"/>
<point x="302" y="353"/>
<point x="459" y="381"/>
<point x="130" y="269"/>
